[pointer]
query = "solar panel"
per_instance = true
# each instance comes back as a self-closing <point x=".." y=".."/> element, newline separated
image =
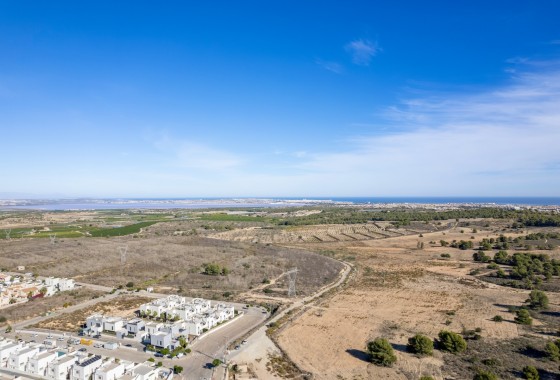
<point x="89" y="361"/>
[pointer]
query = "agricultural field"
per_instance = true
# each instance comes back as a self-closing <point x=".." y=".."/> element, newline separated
<point x="327" y="233"/>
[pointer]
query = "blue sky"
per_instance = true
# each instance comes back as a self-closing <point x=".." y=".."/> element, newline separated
<point x="279" y="98"/>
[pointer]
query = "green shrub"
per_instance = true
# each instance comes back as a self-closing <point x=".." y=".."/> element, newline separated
<point x="530" y="373"/>
<point x="381" y="352"/>
<point x="481" y="257"/>
<point x="427" y="378"/>
<point x="523" y="317"/>
<point x="538" y="300"/>
<point x="451" y="342"/>
<point x="490" y="362"/>
<point x="421" y="345"/>
<point x="552" y="351"/>
<point x="501" y="257"/>
<point x="485" y="375"/>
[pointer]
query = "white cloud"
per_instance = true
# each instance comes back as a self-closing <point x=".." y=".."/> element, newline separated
<point x="498" y="142"/>
<point x="197" y="156"/>
<point x="362" y="51"/>
<point x="334" y="67"/>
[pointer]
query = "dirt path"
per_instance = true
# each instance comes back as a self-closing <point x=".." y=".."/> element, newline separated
<point x="255" y="352"/>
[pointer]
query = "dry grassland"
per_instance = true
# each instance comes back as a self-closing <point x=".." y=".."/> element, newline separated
<point x="40" y="306"/>
<point x="322" y="233"/>
<point x="401" y="291"/>
<point x="169" y="263"/>
<point x="123" y="306"/>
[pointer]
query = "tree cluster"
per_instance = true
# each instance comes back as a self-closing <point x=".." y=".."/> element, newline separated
<point x="462" y="244"/>
<point x="214" y="269"/>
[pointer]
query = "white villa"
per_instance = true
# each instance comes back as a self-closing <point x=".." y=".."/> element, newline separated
<point x="19" y="288"/>
<point x="184" y="318"/>
<point x="39" y="361"/>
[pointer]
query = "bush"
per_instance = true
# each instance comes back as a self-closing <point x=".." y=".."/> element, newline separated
<point x="445" y="255"/>
<point x="523" y="317"/>
<point x="485" y="375"/>
<point x="451" y="342"/>
<point x="3" y="319"/>
<point x="421" y="345"/>
<point x="530" y="373"/>
<point x="177" y="369"/>
<point x="502" y="257"/>
<point x="381" y="352"/>
<point x="427" y="378"/>
<point x="216" y="362"/>
<point x="497" y="318"/>
<point x="212" y="269"/>
<point x="490" y="362"/>
<point x="130" y="284"/>
<point x="538" y="300"/>
<point x="552" y="351"/>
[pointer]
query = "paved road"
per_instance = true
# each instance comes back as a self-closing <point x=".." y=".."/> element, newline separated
<point x="70" y="309"/>
<point x="196" y="365"/>
<point x="14" y="374"/>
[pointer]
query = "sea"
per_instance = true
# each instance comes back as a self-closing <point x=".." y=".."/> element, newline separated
<point x="203" y="203"/>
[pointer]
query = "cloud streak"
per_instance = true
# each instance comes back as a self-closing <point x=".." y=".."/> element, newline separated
<point x="362" y="51"/>
<point x="334" y="67"/>
<point x="196" y="156"/>
<point x="498" y="142"/>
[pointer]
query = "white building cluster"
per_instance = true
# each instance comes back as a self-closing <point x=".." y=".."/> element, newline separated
<point x="183" y="319"/>
<point x="38" y="360"/>
<point x="20" y="288"/>
<point x="196" y="315"/>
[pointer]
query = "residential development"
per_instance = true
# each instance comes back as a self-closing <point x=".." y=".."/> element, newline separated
<point x="22" y="288"/>
<point x="173" y="318"/>
<point x="41" y="361"/>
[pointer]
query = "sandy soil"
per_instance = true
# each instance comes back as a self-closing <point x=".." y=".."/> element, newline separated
<point x="399" y="291"/>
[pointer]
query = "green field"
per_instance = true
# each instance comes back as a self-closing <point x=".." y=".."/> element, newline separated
<point x="222" y="217"/>
<point x="120" y="231"/>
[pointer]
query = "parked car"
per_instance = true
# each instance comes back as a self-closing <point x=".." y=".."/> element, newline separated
<point x="83" y="349"/>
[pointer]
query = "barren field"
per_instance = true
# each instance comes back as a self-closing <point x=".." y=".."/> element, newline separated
<point x="402" y="285"/>
<point x="40" y="306"/>
<point x="123" y="306"/>
<point x="169" y="263"/>
<point x="401" y="291"/>
<point x="322" y="233"/>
